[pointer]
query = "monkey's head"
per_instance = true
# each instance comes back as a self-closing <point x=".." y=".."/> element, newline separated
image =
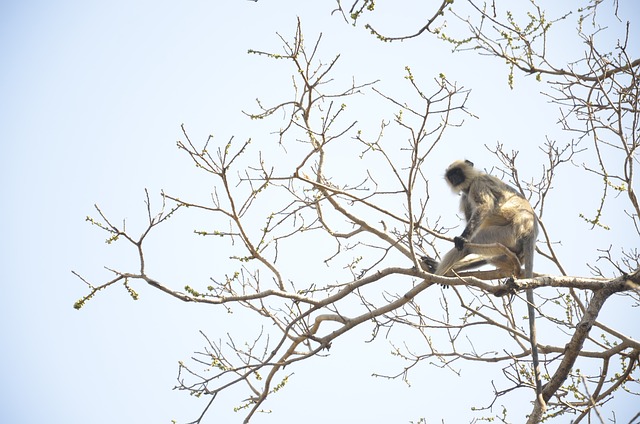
<point x="460" y="174"/>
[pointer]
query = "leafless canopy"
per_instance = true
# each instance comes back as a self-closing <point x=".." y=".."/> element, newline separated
<point x="269" y="202"/>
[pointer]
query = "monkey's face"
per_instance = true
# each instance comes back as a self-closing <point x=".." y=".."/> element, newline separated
<point x="458" y="174"/>
<point x="455" y="177"/>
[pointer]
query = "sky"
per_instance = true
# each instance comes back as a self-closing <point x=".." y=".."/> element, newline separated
<point x="92" y="98"/>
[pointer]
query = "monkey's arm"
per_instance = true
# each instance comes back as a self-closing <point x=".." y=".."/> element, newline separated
<point x="477" y="204"/>
<point x="465" y="206"/>
<point x="473" y="222"/>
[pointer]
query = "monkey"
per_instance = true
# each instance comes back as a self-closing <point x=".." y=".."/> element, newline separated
<point x="496" y="214"/>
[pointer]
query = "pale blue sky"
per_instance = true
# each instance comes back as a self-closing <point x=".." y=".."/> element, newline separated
<point x="92" y="95"/>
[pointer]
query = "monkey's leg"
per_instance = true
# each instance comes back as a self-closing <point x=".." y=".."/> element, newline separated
<point x="471" y="261"/>
<point x="490" y="234"/>
<point x="497" y="243"/>
<point x="449" y="260"/>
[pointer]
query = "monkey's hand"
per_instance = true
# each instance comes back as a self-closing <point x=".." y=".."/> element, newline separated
<point x="459" y="242"/>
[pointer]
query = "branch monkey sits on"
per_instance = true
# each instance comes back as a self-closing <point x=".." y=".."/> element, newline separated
<point x="495" y="213"/>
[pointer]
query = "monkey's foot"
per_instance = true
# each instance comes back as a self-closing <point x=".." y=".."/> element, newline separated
<point x="509" y="286"/>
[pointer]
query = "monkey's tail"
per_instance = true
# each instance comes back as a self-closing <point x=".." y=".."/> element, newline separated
<point x="534" y="347"/>
<point x="528" y="273"/>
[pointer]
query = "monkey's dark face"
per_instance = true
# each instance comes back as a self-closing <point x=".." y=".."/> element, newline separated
<point x="455" y="176"/>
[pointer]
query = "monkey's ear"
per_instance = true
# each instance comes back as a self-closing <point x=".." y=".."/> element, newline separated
<point x="469" y="162"/>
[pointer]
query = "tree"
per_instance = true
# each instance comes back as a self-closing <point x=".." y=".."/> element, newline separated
<point x="371" y="227"/>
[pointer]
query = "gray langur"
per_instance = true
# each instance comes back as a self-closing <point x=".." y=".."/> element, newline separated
<point x="496" y="215"/>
